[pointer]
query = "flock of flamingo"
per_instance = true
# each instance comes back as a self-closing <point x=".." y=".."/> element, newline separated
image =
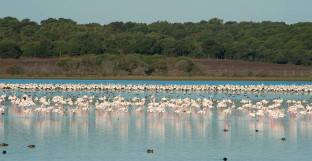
<point x="56" y="106"/>
<point x="172" y="88"/>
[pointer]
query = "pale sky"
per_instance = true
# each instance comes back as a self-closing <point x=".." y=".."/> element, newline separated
<point x="148" y="11"/>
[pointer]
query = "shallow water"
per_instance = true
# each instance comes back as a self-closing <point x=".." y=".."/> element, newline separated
<point x="127" y="136"/>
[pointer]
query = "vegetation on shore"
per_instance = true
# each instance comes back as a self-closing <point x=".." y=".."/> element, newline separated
<point x="267" y="41"/>
<point x="154" y="78"/>
<point x="108" y="65"/>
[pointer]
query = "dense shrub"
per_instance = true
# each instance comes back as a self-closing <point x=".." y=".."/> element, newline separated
<point x="184" y="64"/>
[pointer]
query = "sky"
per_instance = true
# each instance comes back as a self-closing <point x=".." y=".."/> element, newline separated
<point x="148" y="11"/>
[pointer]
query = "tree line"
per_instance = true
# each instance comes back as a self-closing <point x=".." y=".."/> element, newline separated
<point x="265" y="41"/>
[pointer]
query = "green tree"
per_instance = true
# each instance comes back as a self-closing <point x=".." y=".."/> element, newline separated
<point x="9" y="49"/>
<point x="213" y="49"/>
<point x="33" y="49"/>
<point x="60" y="48"/>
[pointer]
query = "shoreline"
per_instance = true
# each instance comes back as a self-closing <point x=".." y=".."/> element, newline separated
<point x="155" y="78"/>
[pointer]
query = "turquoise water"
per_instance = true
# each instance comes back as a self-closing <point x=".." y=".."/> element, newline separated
<point x="99" y="136"/>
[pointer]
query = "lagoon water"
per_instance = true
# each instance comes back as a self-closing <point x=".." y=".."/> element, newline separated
<point x="127" y="136"/>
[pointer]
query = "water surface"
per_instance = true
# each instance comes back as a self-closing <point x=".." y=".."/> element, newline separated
<point x="128" y="136"/>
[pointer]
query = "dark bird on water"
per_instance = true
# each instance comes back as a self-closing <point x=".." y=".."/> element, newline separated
<point x="4" y="144"/>
<point x="150" y="151"/>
